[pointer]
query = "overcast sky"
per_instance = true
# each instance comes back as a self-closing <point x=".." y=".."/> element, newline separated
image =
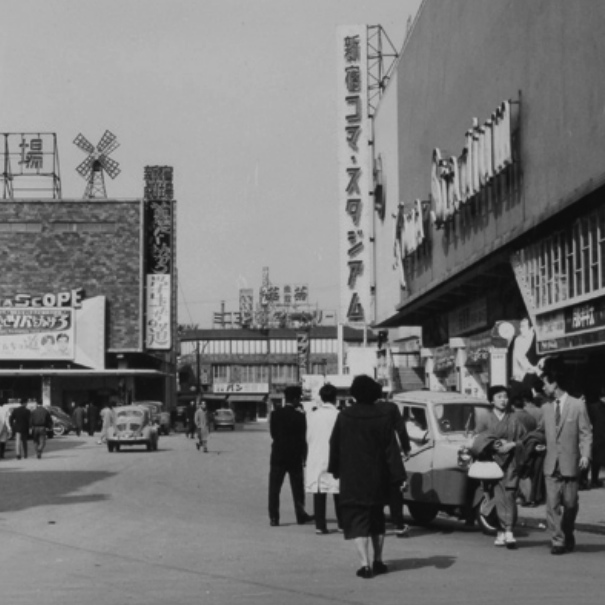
<point x="239" y="96"/>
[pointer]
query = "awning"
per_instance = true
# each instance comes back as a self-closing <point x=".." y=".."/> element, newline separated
<point x="79" y="372"/>
<point x="250" y="398"/>
<point x="214" y="396"/>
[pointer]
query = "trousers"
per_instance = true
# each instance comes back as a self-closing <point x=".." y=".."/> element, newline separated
<point x="319" y="509"/>
<point x="561" y="508"/>
<point x="277" y="474"/>
<point x="39" y="437"/>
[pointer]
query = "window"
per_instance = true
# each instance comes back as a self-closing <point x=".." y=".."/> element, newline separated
<point x="568" y="265"/>
<point x="220" y="373"/>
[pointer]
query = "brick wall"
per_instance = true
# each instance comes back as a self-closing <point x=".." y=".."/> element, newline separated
<point x="54" y="245"/>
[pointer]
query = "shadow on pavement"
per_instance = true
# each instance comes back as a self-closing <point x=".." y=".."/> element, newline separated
<point x="25" y="489"/>
<point x="439" y="562"/>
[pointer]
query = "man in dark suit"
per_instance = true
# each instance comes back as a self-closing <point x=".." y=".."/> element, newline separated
<point x="288" y="428"/>
<point x="20" y="422"/>
<point x="568" y="433"/>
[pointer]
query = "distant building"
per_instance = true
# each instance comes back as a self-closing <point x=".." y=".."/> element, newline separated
<point x="247" y="370"/>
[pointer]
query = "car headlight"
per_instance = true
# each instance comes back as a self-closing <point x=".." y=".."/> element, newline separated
<point x="465" y="458"/>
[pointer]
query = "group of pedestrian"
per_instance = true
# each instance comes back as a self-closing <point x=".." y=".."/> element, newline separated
<point x="21" y="423"/>
<point x="354" y="453"/>
<point x="563" y="427"/>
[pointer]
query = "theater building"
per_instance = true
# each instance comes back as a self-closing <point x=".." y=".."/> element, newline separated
<point x="489" y="186"/>
<point x="87" y="301"/>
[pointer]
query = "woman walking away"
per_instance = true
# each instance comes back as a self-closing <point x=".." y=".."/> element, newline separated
<point x="365" y="457"/>
<point x="320" y="483"/>
<point x="497" y="436"/>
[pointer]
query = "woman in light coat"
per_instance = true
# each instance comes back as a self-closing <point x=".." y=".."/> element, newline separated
<point x="319" y="483"/>
<point x="5" y="431"/>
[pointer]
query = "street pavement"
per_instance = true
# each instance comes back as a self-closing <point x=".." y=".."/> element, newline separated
<point x="178" y="526"/>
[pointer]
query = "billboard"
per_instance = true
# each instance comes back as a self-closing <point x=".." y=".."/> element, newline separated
<point x="355" y="170"/>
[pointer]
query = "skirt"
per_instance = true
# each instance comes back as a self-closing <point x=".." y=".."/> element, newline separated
<point x="360" y="521"/>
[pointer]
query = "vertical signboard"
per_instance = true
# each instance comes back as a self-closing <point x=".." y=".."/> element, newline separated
<point x="354" y="161"/>
<point x="159" y="243"/>
<point x="303" y="351"/>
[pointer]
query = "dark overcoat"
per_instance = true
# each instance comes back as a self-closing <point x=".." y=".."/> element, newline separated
<point x="365" y="455"/>
<point x="288" y="427"/>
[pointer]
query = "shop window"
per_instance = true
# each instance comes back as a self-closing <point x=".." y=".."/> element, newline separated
<point x="20" y="227"/>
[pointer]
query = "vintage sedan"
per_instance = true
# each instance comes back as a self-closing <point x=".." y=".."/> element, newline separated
<point x="133" y="427"/>
<point x="440" y="425"/>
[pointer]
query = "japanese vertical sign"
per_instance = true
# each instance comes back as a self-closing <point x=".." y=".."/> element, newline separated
<point x="246" y="306"/>
<point x="303" y="351"/>
<point x="160" y="243"/>
<point x="354" y="132"/>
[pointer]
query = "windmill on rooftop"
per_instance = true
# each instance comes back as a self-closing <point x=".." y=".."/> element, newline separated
<point x="97" y="162"/>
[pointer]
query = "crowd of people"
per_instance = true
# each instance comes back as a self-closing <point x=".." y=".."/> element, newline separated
<point x="547" y="443"/>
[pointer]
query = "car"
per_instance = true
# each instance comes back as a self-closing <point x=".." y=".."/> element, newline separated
<point x="133" y="427"/>
<point x="224" y="417"/>
<point x="158" y="415"/>
<point x="62" y="423"/>
<point x="440" y="426"/>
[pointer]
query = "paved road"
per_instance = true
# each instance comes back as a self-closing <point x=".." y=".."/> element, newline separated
<point x="83" y="526"/>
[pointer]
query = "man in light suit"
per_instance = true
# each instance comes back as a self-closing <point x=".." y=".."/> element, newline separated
<point x="568" y="433"/>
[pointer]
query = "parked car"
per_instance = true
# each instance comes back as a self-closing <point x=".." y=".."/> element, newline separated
<point x="440" y="425"/>
<point x="159" y="417"/>
<point x="133" y="427"/>
<point x="62" y="423"/>
<point x="224" y="417"/>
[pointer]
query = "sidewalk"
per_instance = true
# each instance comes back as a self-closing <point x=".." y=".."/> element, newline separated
<point x="591" y="517"/>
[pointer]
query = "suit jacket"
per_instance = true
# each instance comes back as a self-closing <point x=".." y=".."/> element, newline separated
<point x="568" y="442"/>
<point x="288" y="428"/>
<point x="20" y="419"/>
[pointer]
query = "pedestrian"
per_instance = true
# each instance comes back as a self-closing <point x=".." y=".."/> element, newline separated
<point x="496" y="436"/>
<point x="5" y="429"/>
<point x="568" y="434"/>
<point x="403" y="440"/>
<point x="318" y="481"/>
<point x="20" y="422"/>
<point x="202" y="426"/>
<point x="288" y="428"/>
<point x="78" y="418"/>
<point x="108" y="418"/>
<point x="92" y="416"/>
<point x="41" y="421"/>
<point x="596" y="412"/>
<point x="365" y="457"/>
<point x="190" y="419"/>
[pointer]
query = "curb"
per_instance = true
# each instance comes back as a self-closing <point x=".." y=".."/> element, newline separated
<point x="541" y="525"/>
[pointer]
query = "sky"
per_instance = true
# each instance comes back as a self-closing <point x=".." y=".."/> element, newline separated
<point x="239" y="96"/>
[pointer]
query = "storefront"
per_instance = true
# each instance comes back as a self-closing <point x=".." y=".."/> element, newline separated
<point x="247" y="400"/>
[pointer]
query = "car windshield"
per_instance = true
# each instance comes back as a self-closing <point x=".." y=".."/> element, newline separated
<point x="130" y="413"/>
<point x="459" y="416"/>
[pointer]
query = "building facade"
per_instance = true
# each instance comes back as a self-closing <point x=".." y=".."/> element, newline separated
<point x="247" y="370"/>
<point x="87" y="314"/>
<point x="489" y="136"/>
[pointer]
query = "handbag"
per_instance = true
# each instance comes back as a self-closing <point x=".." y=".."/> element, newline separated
<point x="485" y="470"/>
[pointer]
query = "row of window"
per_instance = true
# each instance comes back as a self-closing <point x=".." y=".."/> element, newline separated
<point x="254" y="373"/>
<point x="253" y="346"/>
<point x="567" y="265"/>
<point x="60" y="227"/>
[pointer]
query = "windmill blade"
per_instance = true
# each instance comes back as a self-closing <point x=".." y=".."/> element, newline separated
<point x="84" y="144"/>
<point x="110" y="166"/>
<point x="111" y="147"/>
<point x="108" y="139"/>
<point x="85" y="167"/>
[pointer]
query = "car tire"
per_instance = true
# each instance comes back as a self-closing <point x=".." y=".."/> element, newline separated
<point x="232" y="427"/>
<point x="58" y="430"/>
<point x="117" y="448"/>
<point x="487" y="523"/>
<point x="110" y="446"/>
<point x="423" y="513"/>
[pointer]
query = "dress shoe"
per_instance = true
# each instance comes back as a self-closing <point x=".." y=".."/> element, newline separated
<point x="379" y="568"/>
<point x="570" y="544"/>
<point x="402" y="531"/>
<point x="306" y="518"/>
<point x="365" y="572"/>
<point x="509" y="540"/>
<point x="557" y="550"/>
<point x="273" y="522"/>
<point x="321" y="531"/>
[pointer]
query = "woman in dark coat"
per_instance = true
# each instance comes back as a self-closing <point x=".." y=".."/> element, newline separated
<point x="365" y="456"/>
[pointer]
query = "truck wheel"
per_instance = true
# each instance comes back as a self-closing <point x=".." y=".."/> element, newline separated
<point x="423" y="513"/>
<point x="110" y="446"/>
